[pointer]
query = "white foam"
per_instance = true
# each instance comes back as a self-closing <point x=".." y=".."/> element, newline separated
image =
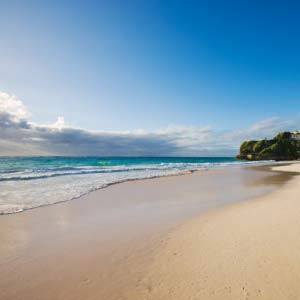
<point x="26" y="190"/>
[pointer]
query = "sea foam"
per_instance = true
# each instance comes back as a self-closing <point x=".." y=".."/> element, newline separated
<point x="27" y="183"/>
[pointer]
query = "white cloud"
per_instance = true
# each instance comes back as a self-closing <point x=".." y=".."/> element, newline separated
<point x="12" y="105"/>
<point x="18" y="136"/>
<point x="264" y="129"/>
<point x="59" y="124"/>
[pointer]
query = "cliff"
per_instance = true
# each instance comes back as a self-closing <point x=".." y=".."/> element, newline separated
<point x="284" y="146"/>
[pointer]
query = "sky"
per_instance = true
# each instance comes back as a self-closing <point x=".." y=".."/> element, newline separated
<point x="154" y="78"/>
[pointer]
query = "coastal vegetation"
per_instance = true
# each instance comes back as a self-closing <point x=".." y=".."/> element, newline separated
<point x="284" y="146"/>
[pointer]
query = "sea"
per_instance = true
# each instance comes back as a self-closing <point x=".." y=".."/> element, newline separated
<point x="29" y="182"/>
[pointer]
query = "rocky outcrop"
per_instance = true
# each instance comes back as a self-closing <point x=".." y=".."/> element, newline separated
<point x="281" y="147"/>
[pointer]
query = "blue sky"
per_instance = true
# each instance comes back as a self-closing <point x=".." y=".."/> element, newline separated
<point x="151" y="65"/>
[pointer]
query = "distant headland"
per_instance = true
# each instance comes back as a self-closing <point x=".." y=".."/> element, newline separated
<point x="284" y="146"/>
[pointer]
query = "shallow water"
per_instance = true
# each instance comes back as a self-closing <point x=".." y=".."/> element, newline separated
<point x="28" y="182"/>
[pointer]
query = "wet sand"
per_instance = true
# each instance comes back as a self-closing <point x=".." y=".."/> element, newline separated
<point x="103" y="245"/>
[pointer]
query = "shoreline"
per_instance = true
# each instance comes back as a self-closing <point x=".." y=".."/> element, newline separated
<point x="116" y="233"/>
<point x="184" y="173"/>
<point x="179" y="173"/>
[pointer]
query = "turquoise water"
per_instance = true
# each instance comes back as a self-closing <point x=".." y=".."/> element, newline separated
<point x="28" y="182"/>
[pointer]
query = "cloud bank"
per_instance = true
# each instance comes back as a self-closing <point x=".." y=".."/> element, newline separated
<point x="19" y="136"/>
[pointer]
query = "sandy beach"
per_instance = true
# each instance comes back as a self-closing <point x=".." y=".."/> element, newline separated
<point x="247" y="250"/>
<point x="181" y="237"/>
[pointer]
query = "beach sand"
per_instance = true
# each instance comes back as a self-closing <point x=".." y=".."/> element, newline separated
<point x="135" y="240"/>
<point x="249" y="250"/>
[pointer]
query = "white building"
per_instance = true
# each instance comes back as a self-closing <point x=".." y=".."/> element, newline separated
<point x="296" y="135"/>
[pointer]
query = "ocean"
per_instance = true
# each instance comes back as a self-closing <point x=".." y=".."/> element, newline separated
<point x="29" y="182"/>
